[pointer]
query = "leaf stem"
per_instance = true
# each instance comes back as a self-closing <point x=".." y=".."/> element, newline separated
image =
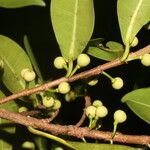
<point x="70" y="67"/>
<point x="126" y="52"/>
<point x="107" y="75"/>
<point x="74" y="70"/>
<point x="52" y="137"/>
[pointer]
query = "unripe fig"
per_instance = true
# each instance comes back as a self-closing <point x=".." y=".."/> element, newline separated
<point x="28" y="75"/>
<point x="120" y="116"/>
<point x="48" y="101"/>
<point x="97" y="103"/>
<point x="63" y="87"/>
<point x="117" y="83"/>
<point x="59" y="62"/>
<point x="90" y="111"/>
<point x="101" y="111"/>
<point x="135" y="42"/>
<point x="57" y="104"/>
<point x="145" y="60"/>
<point x="83" y="60"/>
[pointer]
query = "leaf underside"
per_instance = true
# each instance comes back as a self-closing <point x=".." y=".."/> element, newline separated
<point x="15" y="60"/>
<point x="139" y="102"/>
<point x="20" y="3"/>
<point x="73" y="23"/>
<point x="92" y="146"/>
<point x="132" y="15"/>
<point x="114" y="50"/>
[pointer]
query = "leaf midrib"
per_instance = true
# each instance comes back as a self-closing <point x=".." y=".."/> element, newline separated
<point x="139" y="103"/>
<point x="72" y="46"/>
<point x="132" y="22"/>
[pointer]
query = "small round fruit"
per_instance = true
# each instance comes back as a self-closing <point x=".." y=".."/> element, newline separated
<point x="120" y="116"/>
<point x="117" y="83"/>
<point x="83" y="60"/>
<point x="97" y="103"/>
<point x="58" y="148"/>
<point x="93" y="82"/>
<point x="90" y="111"/>
<point x="135" y="42"/>
<point x="101" y="111"/>
<point x="145" y="60"/>
<point x="64" y="87"/>
<point x="59" y="62"/>
<point x="22" y="109"/>
<point x="48" y="101"/>
<point x="28" y="75"/>
<point x="57" y="104"/>
<point x="70" y="96"/>
<point x="28" y="145"/>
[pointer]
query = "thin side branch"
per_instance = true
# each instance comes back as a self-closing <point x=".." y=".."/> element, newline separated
<point x="74" y="131"/>
<point x="82" y="119"/>
<point x="92" y="72"/>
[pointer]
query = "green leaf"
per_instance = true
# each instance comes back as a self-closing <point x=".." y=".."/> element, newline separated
<point x="92" y="146"/>
<point x="115" y="46"/>
<point x="132" y="15"/>
<point x="6" y="126"/>
<point x="95" y="42"/>
<point x="73" y="23"/>
<point x="15" y="59"/>
<point x="20" y="3"/>
<point x="113" y="51"/>
<point x="32" y="57"/>
<point x="139" y="102"/>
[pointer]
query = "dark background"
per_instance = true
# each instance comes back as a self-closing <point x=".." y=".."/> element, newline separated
<point x="35" y="22"/>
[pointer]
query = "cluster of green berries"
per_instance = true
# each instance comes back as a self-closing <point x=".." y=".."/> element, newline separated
<point x="96" y="110"/>
<point x="51" y="102"/>
<point x="82" y="61"/>
<point x="28" y="75"/>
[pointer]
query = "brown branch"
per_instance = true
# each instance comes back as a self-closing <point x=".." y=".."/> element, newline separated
<point x="92" y="72"/>
<point x="83" y="117"/>
<point x="30" y="113"/>
<point x="52" y="117"/>
<point x="74" y="131"/>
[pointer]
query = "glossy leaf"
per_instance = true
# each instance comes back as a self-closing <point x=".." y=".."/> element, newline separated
<point x="32" y="57"/>
<point x="73" y="23"/>
<point x="132" y="15"/>
<point x="11" y="106"/>
<point x="92" y="146"/>
<point x="20" y="3"/>
<point x="109" y="53"/>
<point x="15" y="59"/>
<point x="139" y="102"/>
